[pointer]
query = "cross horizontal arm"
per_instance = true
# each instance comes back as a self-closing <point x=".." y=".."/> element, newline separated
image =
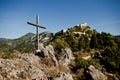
<point x="36" y="25"/>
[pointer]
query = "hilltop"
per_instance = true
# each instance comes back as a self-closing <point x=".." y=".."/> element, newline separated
<point x="78" y="53"/>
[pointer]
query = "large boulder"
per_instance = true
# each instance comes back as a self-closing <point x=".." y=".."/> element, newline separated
<point x="51" y="52"/>
<point x="95" y="74"/>
<point x="67" y="56"/>
<point x="47" y="52"/>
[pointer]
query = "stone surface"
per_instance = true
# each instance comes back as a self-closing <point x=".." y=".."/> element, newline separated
<point x="67" y="56"/>
<point x="31" y="67"/>
<point x="24" y="67"/>
<point x="95" y="74"/>
<point x="51" y="52"/>
<point x="48" y="52"/>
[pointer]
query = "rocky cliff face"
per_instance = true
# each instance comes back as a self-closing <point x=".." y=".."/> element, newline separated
<point x="36" y="67"/>
<point x="43" y="66"/>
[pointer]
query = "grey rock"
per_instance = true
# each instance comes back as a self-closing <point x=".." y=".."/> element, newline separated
<point x="48" y="52"/>
<point x="67" y="56"/>
<point x="24" y="67"/>
<point x="95" y="74"/>
<point x="51" y="52"/>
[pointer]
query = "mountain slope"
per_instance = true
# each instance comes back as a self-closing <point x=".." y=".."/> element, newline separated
<point x="25" y="43"/>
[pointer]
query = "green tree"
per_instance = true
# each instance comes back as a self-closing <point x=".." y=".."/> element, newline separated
<point x="94" y="41"/>
<point x="111" y="59"/>
<point x="84" y="42"/>
<point x="72" y="41"/>
<point x="60" y="43"/>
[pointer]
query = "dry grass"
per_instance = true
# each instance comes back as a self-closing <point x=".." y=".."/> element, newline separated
<point x="19" y="65"/>
<point x="47" y="61"/>
<point x="63" y="68"/>
<point x="24" y="75"/>
<point x="8" y="55"/>
<point x="82" y="54"/>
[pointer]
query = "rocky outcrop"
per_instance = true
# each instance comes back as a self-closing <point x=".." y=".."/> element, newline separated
<point x="48" y="52"/>
<point x="95" y="74"/>
<point x="32" y="67"/>
<point x="51" y="52"/>
<point x="24" y="67"/>
<point x="67" y="56"/>
<point x="45" y="36"/>
<point x="64" y="76"/>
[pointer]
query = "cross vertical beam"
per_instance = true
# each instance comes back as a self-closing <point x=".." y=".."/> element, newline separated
<point x="37" y="29"/>
<point x="37" y="32"/>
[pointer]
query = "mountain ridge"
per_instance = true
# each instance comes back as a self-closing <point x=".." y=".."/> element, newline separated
<point x="24" y="41"/>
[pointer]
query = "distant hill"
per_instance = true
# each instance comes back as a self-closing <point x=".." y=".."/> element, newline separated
<point x="118" y="36"/>
<point x="3" y="40"/>
<point x="25" y="43"/>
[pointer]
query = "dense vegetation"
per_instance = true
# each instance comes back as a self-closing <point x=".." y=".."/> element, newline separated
<point x="105" y="43"/>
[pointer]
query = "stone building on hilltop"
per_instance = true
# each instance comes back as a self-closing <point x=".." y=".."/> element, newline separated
<point x="82" y="25"/>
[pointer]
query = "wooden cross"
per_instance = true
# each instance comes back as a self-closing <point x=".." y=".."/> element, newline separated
<point x="37" y="27"/>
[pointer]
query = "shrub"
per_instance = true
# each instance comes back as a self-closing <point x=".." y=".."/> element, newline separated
<point x="8" y="55"/>
<point x="94" y="62"/>
<point x="81" y="63"/>
<point x="60" y="43"/>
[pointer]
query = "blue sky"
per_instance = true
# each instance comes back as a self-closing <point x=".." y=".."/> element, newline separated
<point x="102" y="15"/>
